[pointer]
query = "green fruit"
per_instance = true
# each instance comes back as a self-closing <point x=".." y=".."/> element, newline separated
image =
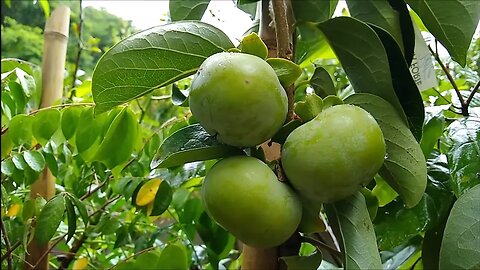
<point x="334" y="155"/>
<point x="238" y="98"/>
<point x="244" y="196"/>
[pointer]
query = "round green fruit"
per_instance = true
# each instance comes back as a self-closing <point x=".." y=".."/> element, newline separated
<point x="334" y="155"/>
<point x="238" y="98"/>
<point x="244" y="196"/>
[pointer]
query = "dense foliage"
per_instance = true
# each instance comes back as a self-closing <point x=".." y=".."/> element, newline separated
<point x="129" y="158"/>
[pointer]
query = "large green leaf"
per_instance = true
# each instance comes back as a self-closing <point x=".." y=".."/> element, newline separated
<point x="313" y="10"/>
<point x="379" y="13"/>
<point x="191" y="143"/>
<point x="311" y="45"/>
<point x="461" y="241"/>
<point x="363" y="57"/>
<point x="45" y="123"/>
<point x="49" y="219"/>
<point x="405" y="167"/>
<point x="181" y="10"/>
<point x="162" y="200"/>
<point x="353" y="228"/>
<point x="120" y="139"/>
<point x="153" y="58"/>
<point x="463" y="156"/>
<point x="403" y="84"/>
<point x="452" y="22"/>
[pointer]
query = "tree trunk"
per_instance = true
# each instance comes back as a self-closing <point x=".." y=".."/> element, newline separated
<point x="54" y="55"/>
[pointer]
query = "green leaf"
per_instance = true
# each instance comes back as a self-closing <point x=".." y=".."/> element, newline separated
<point x="313" y="10"/>
<point x="8" y="168"/>
<point x="18" y="96"/>
<point x="281" y="135"/>
<point x="406" y="26"/>
<point x="253" y="44"/>
<point x="6" y="144"/>
<point x="405" y="167"/>
<point x="353" y="228"/>
<point x="331" y="101"/>
<point x="461" y="240"/>
<point x="371" y="201"/>
<point x="179" y="97"/>
<point x="378" y="13"/>
<point x="394" y="224"/>
<point x="287" y="71"/>
<point x="82" y="210"/>
<point x="173" y="257"/>
<point x="384" y="193"/>
<point x="49" y="219"/>
<point x="20" y="129"/>
<point x="44" y="125"/>
<point x="322" y="83"/>
<point x="89" y="129"/>
<point x="181" y="10"/>
<point x="34" y="159"/>
<point x="70" y="120"/>
<point x="153" y="58"/>
<point x="311" y="107"/>
<point x="311" y="45"/>
<point x="463" y="155"/>
<point x="363" y="57"/>
<point x="405" y="87"/>
<point x="72" y="218"/>
<point x="217" y="240"/>
<point x="432" y="131"/>
<point x="452" y="22"/>
<point x="303" y="262"/>
<point x="162" y="200"/>
<point x="147" y="260"/>
<point x="119" y="140"/>
<point x="191" y="143"/>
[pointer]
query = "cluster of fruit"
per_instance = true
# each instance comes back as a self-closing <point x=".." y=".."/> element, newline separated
<point x="238" y="98"/>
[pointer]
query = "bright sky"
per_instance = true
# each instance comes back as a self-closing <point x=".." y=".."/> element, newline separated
<point x="146" y="14"/>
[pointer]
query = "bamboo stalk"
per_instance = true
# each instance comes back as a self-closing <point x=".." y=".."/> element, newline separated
<point x="54" y="55"/>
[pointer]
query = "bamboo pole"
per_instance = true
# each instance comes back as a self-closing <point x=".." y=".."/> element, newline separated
<point x="54" y="55"/>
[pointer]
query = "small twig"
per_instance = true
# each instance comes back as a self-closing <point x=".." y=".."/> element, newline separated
<point x="12" y="248"/>
<point x="86" y="195"/>
<point x="7" y="245"/>
<point x="464" y="108"/>
<point x="105" y="205"/>
<point x="470" y="97"/>
<point x="132" y="256"/>
<point x="80" y="49"/>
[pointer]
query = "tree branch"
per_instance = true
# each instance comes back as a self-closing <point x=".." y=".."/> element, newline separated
<point x="470" y="97"/>
<point x="14" y="246"/>
<point x="284" y="45"/>
<point x="7" y="245"/>
<point x="132" y="256"/>
<point x="464" y="108"/>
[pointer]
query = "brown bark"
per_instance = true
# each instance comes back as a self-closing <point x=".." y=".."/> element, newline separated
<point x="54" y="54"/>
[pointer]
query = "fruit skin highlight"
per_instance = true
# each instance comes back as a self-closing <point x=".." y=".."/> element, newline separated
<point x="334" y="155"/>
<point x="244" y="196"/>
<point x="238" y="98"/>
